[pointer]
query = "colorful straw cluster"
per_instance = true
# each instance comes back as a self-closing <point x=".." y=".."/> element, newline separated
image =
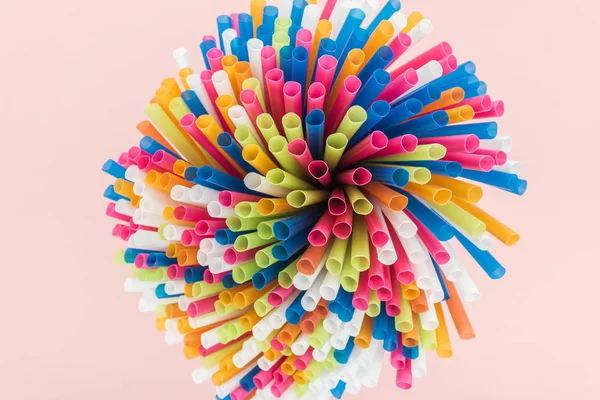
<point x="289" y="210"/>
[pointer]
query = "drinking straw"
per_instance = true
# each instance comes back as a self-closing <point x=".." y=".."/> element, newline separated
<point x="325" y="71"/>
<point x="356" y="176"/>
<point x="239" y="49"/>
<point x="342" y="227"/>
<point x="315" y="97"/>
<point x="352" y="121"/>
<point x="340" y="88"/>
<point x="353" y="20"/>
<point x="215" y="57"/>
<point x="378" y="37"/>
<point x="319" y="170"/>
<point x="246" y="26"/>
<point x="152" y="134"/>
<point x="334" y="149"/>
<point x="391" y="7"/>
<point x="292" y="92"/>
<point x="389" y="175"/>
<point x="274" y="82"/>
<point x="286" y="180"/>
<point x="285" y="62"/>
<point x="298" y="148"/>
<point x="311" y="16"/>
<point x="300" y="65"/>
<point x="249" y="100"/>
<point x="228" y="36"/>
<point x="267" y="127"/>
<point x="322" y="32"/>
<point x="280" y="40"/>
<point x="327" y="9"/>
<point x="278" y="146"/>
<point x="314" y="132"/>
<point x="223" y="23"/>
<point x="370" y="145"/>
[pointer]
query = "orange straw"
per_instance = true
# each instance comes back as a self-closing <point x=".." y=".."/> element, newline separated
<point x="311" y="258"/>
<point x="387" y="196"/>
<point x="458" y="313"/>
<point x="410" y="291"/>
<point x="363" y="339"/>
<point x="411" y="339"/>
<point x="147" y="129"/>
<point x="419" y="304"/>
<point x="444" y="348"/>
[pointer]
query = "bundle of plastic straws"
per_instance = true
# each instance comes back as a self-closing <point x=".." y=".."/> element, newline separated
<point x="291" y="211"/>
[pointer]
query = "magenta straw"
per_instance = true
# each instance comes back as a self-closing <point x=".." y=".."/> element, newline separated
<point x="235" y="22"/>
<point x="449" y="64"/>
<point x="215" y="56"/>
<point x="401" y="268"/>
<point x="304" y="38"/>
<point x="397" y="360"/>
<point x="480" y="104"/>
<point x="301" y="362"/>
<point x="400" y="85"/>
<point x="279" y="295"/>
<point x="188" y="123"/>
<point x="328" y="8"/>
<point x="377" y="233"/>
<point x="209" y="227"/>
<point x="124" y="160"/>
<point x="319" y="170"/>
<point x="356" y="176"/>
<point x="209" y="37"/>
<point x="370" y="145"/>
<point x="497" y="110"/>
<point x="279" y="388"/>
<point x="326" y="67"/>
<point x="499" y="156"/>
<point x="145" y="164"/>
<point x="337" y="202"/>
<point x="111" y="212"/>
<point x="135" y="153"/>
<point x="230" y="199"/>
<point x="438" y="52"/>
<point x="263" y="378"/>
<point x="268" y="58"/>
<point x="471" y="161"/>
<point x="399" y="145"/>
<point x="298" y="148"/>
<point x="320" y="233"/>
<point x="191" y="237"/>
<point x="201" y="307"/>
<point x="316" y="97"/>
<point x="360" y="300"/>
<point x="233" y="257"/>
<point x="239" y="394"/>
<point x="140" y="261"/>
<point x="251" y="104"/>
<point x="460" y="143"/>
<point x="164" y="160"/>
<point x="175" y="271"/>
<point x="277" y="345"/>
<point x="274" y="83"/>
<point x="344" y="100"/>
<point x="292" y="97"/>
<point x="404" y="376"/>
<point x="190" y="214"/>
<point x="433" y="245"/>
<point x="342" y="227"/>
<point x="375" y="279"/>
<point x="211" y="278"/>
<point x="392" y="307"/>
<point x="384" y="293"/>
<point x="399" y="44"/>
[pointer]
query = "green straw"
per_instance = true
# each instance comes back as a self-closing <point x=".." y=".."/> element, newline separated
<point x="374" y="305"/>
<point x="404" y="321"/>
<point x="250" y="241"/>
<point x="353" y="120"/>
<point x="350" y="275"/>
<point x="336" y="256"/>
<point x="427" y="339"/>
<point x="334" y="149"/>
<point x="360" y="257"/>
<point x="264" y="257"/>
<point x="237" y="224"/>
<point x="243" y="272"/>
<point x="303" y="198"/>
<point x="292" y="125"/>
<point x="287" y="180"/>
<point x="424" y="152"/>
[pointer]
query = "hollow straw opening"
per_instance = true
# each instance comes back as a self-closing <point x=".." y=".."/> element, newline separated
<point x="501" y="158"/>
<point x="318" y="169"/>
<point x="236" y="112"/>
<point x="276" y="176"/>
<point x="486" y="163"/>
<point x="286" y="53"/>
<point x="472" y="143"/>
<point x="342" y="230"/>
<point x="357" y="114"/>
<point x="248" y="96"/>
<point x="452" y="62"/>
<point x="158" y="157"/>
<point x="258" y="280"/>
<point x="352" y="84"/>
<point x="327" y="62"/>
<point x="499" y="108"/>
<point x="317" y="238"/>
<point x="264" y="231"/>
<point x="204" y="121"/>
<point x="298" y="147"/>
<point x="201" y="229"/>
<point x="337" y="206"/>
<point x="206" y="75"/>
<point x="399" y="177"/>
<point x="360" y="263"/>
<point x="384" y="294"/>
<point x="139" y="260"/>
<point x="224" y="139"/>
<point x="422" y="175"/>
<point x="134" y="152"/>
<point x="242" y="133"/>
<point x="281" y="230"/>
<point x="240" y="300"/>
<point x="266" y="206"/>
<point x="143" y="162"/>
<point x="291" y="121"/>
<point x="436" y="151"/>
<point x="265" y="121"/>
<point x="165" y="180"/>
<point x="250" y="153"/>
<point x="381" y="77"/>
<point x="446" y="49"/>
<point x="362" y="305"/>
<point x="274" y="75"/>
<point x="225" y="101"/>
<point x="242" y="67"/>
<point x="409" y="142"/>
<point x="220" y="77"/>
<point x="230" y="256"/>
<point x="361" y="176"/>
<point x="337" y="141"/>
<point x="182" y="258"/>
<point x="466" y="113"/>
<point x="315" y="117"/>
<point x="379" y="140"/>
<point x="229" y="60"/>
<point x="172" y="271"/>
<point x="292" y="88"/>
<point x="441" y="197"/>
<point x="380" y="238"/>
<point x="280" y="252"/>
<point x="381" y="108"/>
<point x="296" y="199"/>
<point x="267" y="53"/>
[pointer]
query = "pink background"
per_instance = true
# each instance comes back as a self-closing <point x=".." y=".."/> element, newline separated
<point x="76" y="75"/>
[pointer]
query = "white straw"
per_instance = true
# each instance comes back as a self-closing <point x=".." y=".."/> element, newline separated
<point x="414" y="250"/>
<point x="426" y="74"/>
<point x="353" y="327"/>
<point x="174" y="287"/>
<point x="399" y="21"/>
<point x="148" y="219"/>
<point x="511" y="167"/>
<point x="205" y="320"/>
<point x="264" y="364"/>
<point x="201" y="375"/>
<point x="240" y="117"/>
<point x="403" y="225"/>
<point x="371" y="378"/>
<point x="321" y="354"/>
<point x="331" y="286"/>
<point x="332" y="323"/>
<point x="173" y="338"/>
<point x="255" y="47"/>
<point x="371" y="7"/>
<point x="228" y="36"/>
<point x="216" y="210"/>
<point x="387" y="253"/>
<point x="259" y="183"/>
<point x="182" y="58"/>
<point x="147" y="240"/>
<point x="123" y="206"/>
<point x="303" y="282"/>
<point x="277" y="319"/>
<point x="181" y="194"/>
<point x="225" y="389"/>
<point x="503" y="143"/>
<point x="262" y="329"/>
<point x="465" y="285"/>
<point x="184" y="302"/>
<point x="338" y="16"/>
<point x="418" y="367"/>
<point x="313" y="294"/>
<point x="310" y="18"/>
<point x="429" y="320"/>
<point x="195" y="83"/>
<point x="200" y="195"/>
<point x="366" y="358"/>
<point x="222" y="83"/>
<point x="420" y="31"/>
<point x="435" y="290"/>
<point x="339" y="339"/>
<point x="300" y="345"/>
<point x="174" y="232"/>
<point x="133" y="285"/>
<point x="451" y="269"/>
<point x="134" y="174"/>
<point x="285" y="9"/>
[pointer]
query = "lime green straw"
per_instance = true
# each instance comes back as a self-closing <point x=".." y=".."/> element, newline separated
<point x="360" y="204"/>
<point x="404" y="321"/>
<point x="237" y="224"/>
<point x="161" y="310"/>
<point x="427" y="339"/>
<point x="280" y="40"/>
<point x="250" y="241"/>
<point x="313" y="370"/>
<point x="360" y="257"/>
<point x="254" y="84"/>
<point x="374" y="305"/>
<point x="247" y="209"/>
<point x="282" y="24"/>
<point x="287" y="180"/>
<point x="264" y="257"/>
<point x="292" y="125"/>
<point x="353" y="120"/>
<point x="265" y="228"/>
<point x="119" y="257"/>
<point x="243" y="272"/>
<point x="213" y="359"/>
<point x="278" y="146"/>
<point x="286" y="276"/>
<point x="319" y="337"/>
<point x="334" y="149"/>
<point x="245" y="137"/>
<point x="467" y="222"/>
<point x="350" y="275"/>
<point x="336" y="256"/>
<point x="204" y="290"/>
<point x="300" y="390"/>
<point x="423" y="152"/>
<point x="303" y="198"/>
<point x="262" y="306"/>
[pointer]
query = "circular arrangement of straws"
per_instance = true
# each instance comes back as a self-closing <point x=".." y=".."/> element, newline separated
<point x="289" y="212"/>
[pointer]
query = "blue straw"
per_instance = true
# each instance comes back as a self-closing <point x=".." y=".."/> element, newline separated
<point x="110" y="194"/>
<point x="247" y="382"/>
<point x="211" y="175"/>
<point x="205" y="46"/>
<point x="483" y="130"/>
<point x="381" y="59"/>
<point x="293" y="34"/>
<point x="315" y="126"/>
<point x="233" y="149"/>
<point x="354" y="19"/>
<point x="227" y="236"/>
<point x="386" y="13"/>
<point x="266" y="275"/>
<point x="228" y="281"/>
<point x="488" y="263"/>
<point x="342" y="356"/>
<point x="246" y="26"/>
<point x="467" y="82"/>
<point x="347" y="314"/>
<point x="446" y="168"/>
<point x="152" y="146"/>
<point x="481" y="89"/>
<point x="338" y="391"/>
<point x="378" y="111"/>
<point x="161" y="294"/>
<point x="223" y="23"/>
<point x="440" y="277"/>
<point x="503" y="180"/>
<point x="285" y="249"/>
<point x="400" y="113"/>
<point x="358" y="39"/>
<point x="270" y="14"/>
<point x="410" y="352"/>
<point x="285" y="62"/>
<point x="113" y="168"/>
<point x="423" y="123"/>
<point x="159" y="260"/>
<point x="295" y="311"/>
<point x="380" y="324"/>
<point x="194" y="274"/>
<point x="426" y="94"/>
<point x="462" y="71"/>
<point x="390" y="341"/>
<point x="327" y="46"/>
<point x="265" y="34"/>
<point x="191" y="100"/>
<point x="240" y="49"/>
<point x="390" y="175"/>
<point x="191" y="174"/>
<point x="431" y="219"/>
<point x="285" y="228"/>
<point x="369" y="92"/>
<point x="131" y="254"/>
<point x="298" y="11"/>
<point x="299" y="66"/>
<point x="342" y="303"/>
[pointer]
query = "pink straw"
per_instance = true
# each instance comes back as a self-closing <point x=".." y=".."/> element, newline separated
<point x="140" y="261"/>
<point x="211" y="350"/>
<point x="211" y="278"/>
<point x="449" y="64"/>
<point x="400" y="85"/>
<point x="379" y="237"/>
<point x="337" y="202"/>
<point x="274" y="83"/>
<point x="435" y="248"/>
<point x="233" y="257"/>
<point x="301" y="362"/>
<point x="209" y="37"/>
<point x="111" y="212"/>
<point x="263" y="378"/>
<point x="319" y="170"/>
<point x="370" y="145"/>
<point x="204" y="228"/>
<point x="342" y="227"/>
<point x="190" y="214"/>
<point x="343" y="101"/>
<point x="277" y="345"/>
<point x="230" y="199"/>
<point x="206" y="77"/>
<point x="292" y="96"/>
<point x="188" y="123"/>
<point x="438" y="52"/>
<point x="399" y="145"/>
<point x="135" y="153"/>
<point x="392" y="306"/>
<point x="251" y="104"/>
<point x="175" y="271"/>
<point x="357" y="176"/>
<point x="279" y="388"/>
<point x="497" y="110"/>
<point x="375" y="280"/>
<point x="124" y="160"/>
<point x="235" y="22"/>
<point x="399" y="44"/>
<point x="201" y="307"/>
<point x="304" y="38"/>
<point x="239" y="394"/>
<point x="326" y="67"/>
<point x="471" y="161"/>
<point x="460" y="143"/>
<point x="299" y="150"/>
<point x="320" y="233"/>
<point x="215" y="56"/>
<point x="268" y="59"/>
<point x="397" y="360"/>
<point x="479" y="104"/>
<point x="498" y="156"/>
<point x="384" y="293"/>
<point x="164" y="160"/>
<point x="190" y="238"/>
<point x="401" y="268"/>
<point x="360" y="299"/>
<point x="126" y="233"/>
<point x="145" y="164"/>
<point x="327" y="9"/>
<point x="279" y="295"/>
<point x="118" y="228"/>
<point x="404" y="376"/>
<point x="316" y="97"/>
